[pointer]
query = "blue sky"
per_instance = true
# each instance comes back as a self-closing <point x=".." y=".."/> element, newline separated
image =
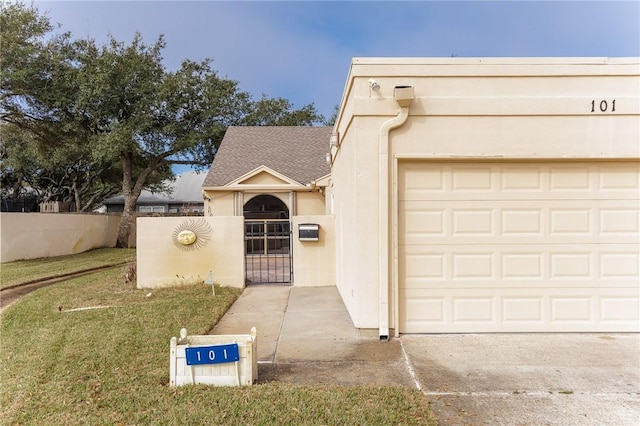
<point x="301" y="50"/>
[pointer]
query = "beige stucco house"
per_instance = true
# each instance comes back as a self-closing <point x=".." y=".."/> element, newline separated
<point x="275" y="178"/>
<point x="270" y="162"/>
<point x="265" y="184"/>
<point x="463" y="195"/>
<point x="489" y="195"/>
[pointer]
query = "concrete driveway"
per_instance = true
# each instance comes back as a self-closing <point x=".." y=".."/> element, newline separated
<point x="529" y="379"/>
<point x="305" y="335"/>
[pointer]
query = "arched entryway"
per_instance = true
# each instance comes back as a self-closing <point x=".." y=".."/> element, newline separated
<point x="267" y="240"/>
<point x="265" y="207"/>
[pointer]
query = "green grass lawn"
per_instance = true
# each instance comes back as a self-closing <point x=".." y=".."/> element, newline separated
<point x="110" y="366"/>
<point x="22" y="271"/>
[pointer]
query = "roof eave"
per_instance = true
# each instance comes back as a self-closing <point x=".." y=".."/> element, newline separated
<point x="257" y="187"/>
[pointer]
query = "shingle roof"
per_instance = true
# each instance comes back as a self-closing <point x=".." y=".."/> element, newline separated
<point x="298" y="153"/>
<point x="187" y="188"/>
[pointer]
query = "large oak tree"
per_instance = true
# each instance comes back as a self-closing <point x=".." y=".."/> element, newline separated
<point x="116" y="107"/>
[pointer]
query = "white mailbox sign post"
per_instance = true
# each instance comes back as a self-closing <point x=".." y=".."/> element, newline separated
<point x="220" y="360"/>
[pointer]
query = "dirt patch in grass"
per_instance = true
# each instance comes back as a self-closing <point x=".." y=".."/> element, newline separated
<point x="23" y="271"/>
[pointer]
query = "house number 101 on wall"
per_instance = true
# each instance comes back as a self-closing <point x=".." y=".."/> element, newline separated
<point x="603" y="106"/>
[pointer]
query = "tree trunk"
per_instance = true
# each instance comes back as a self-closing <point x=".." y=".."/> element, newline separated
<point x="126" y="222"/>
<point x="76" y="197"/>
<point x="131" y="193"/>
<point x="129" y="201"/>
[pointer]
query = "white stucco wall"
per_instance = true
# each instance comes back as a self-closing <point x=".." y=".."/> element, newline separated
<point x="473" y="109"/>
<point x="161" y="263"/>
<point x="35" y="235"/>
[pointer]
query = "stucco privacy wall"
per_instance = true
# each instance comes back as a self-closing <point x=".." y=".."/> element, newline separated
<point x="161" y="262"/>
<point x="314" y="261"/>
<point x="35" y="235"/>
<point x="525" y="109"/>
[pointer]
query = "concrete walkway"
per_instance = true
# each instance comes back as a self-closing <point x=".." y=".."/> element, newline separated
<point x="305" y="335"/>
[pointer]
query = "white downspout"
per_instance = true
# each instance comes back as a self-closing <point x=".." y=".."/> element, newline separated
<point x="383" y="216"/>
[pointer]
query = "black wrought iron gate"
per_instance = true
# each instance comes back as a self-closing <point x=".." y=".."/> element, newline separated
<point x="268" y="255"/>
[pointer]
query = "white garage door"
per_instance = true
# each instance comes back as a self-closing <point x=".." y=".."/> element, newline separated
<point x="519" y="247"/>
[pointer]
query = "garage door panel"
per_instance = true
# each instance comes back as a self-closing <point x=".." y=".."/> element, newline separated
<point x="477" y="221"/>
<point x="509" y="310"/>
<point x="571" y="177"/>
<point x="531" y="180"/>
<point x="619" y="265"/>
<point x="422" y="221"/>
<point x="522" y="309"/>
<point x="522" y="220"/>
<point x="518" y="179"/>
<point x="508" y="265"/>
<point x="476" y="265"/>
<point x="436" y="222"/>
<point x="523" y="265"/>
<point x="419" y="195"/>
<point x="423" y="267"/>
<point x="619" y="310"/>
<point x="418" y="180"/>
<point x="577" y="265"/>
<point x="619" y="178"/>
<point x="474" y="310"/>
<point x="575" y="221"/>
<point x="620" y="221"/>
<point x="466" y="179"/>
<point x="486" y="247"/>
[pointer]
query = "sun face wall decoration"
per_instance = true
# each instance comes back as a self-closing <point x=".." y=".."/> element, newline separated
<point x="192" y="234"/>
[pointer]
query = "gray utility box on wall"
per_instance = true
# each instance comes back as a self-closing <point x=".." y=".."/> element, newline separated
<point x="308" y="232"/>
